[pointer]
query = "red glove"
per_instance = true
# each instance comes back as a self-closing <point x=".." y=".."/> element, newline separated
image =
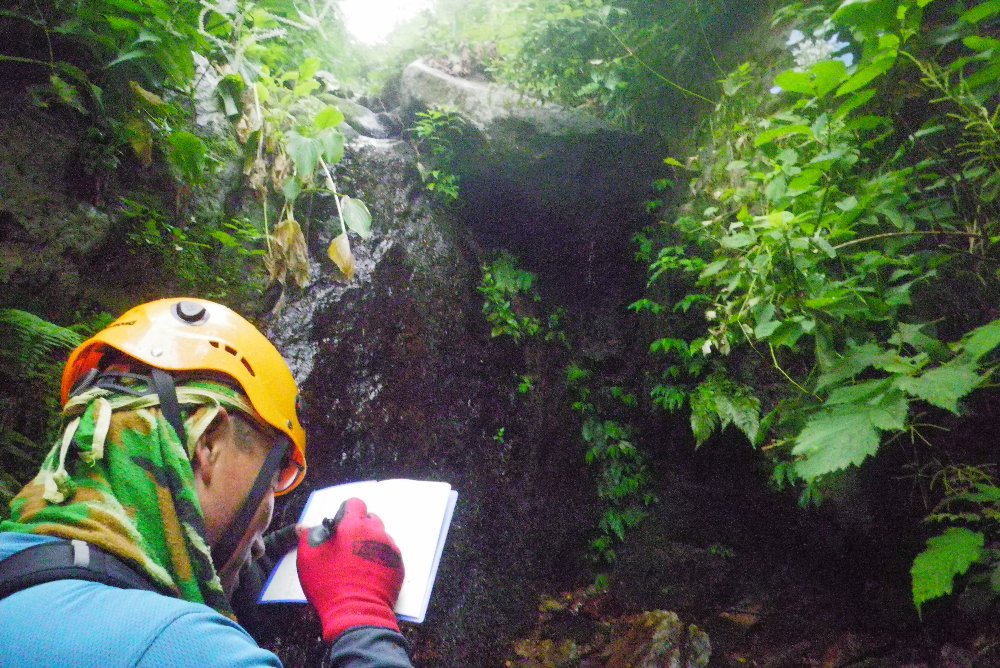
<point x="352" y="579"/>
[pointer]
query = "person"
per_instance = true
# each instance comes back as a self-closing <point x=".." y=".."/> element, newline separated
<point x="180" y="426"/>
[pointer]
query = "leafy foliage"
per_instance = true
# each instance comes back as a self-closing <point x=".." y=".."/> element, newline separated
<point x="825" y="217"/>
<point x="29" y="361"/>
<point x="947" y="555"/>
<point x="207" y="257"/>
<point x="717" y="403"/>
<point x="435" y="132"/>
<point x="507" y="291"/>
<point x="142" y="71"/>
<point x="623" y="478"/>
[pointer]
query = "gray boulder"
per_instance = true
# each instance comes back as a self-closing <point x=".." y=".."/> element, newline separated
<point x="556" y="187"/>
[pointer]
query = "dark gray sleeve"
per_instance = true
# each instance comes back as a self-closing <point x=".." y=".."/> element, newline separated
<point x="368" y="647"/>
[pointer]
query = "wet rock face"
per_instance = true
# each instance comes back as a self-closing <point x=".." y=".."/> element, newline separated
<point x="46" y="232"/>
<point x="558" y="188"/>
<point x="401" y="379"/>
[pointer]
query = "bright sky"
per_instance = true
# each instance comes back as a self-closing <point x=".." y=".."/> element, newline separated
<point x="370" y="21"/>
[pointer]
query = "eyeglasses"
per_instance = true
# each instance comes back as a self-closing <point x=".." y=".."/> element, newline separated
<point x="287" y="475"/>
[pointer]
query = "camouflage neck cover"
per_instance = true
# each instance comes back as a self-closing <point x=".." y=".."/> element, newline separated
<point x="119" y="479"/>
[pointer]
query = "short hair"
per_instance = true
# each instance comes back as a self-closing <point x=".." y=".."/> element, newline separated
<point x="249" y="433"/>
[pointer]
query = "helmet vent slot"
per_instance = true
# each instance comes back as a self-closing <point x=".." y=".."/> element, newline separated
<point x="235" y="353"/>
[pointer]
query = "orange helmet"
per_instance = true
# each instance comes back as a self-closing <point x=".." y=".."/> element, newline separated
<point x="187" y="334"/>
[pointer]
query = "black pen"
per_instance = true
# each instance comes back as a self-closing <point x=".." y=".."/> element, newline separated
<point x="322" y="532"/>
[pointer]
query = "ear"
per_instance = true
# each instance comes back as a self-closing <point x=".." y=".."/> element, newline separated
<point x="210" y="445"/>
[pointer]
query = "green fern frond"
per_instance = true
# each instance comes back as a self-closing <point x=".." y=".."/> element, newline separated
<point x="30" y="339"/>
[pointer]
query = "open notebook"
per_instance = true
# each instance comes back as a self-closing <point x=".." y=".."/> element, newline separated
<point x="416" y="513"/>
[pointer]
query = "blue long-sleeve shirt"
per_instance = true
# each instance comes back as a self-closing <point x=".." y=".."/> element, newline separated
<point x="79" y="623"/>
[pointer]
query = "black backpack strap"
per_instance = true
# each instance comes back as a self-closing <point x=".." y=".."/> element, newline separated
<point x="67" y="560"/>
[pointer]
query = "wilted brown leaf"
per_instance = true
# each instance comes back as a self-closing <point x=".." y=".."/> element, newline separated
<point x="249" y="123"/>
<point x="257" y="175"/>
<point x="281" y="170"/>
<point x="288" y="255"/>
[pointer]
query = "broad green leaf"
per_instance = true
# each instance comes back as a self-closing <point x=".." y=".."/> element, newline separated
<point x="866" y="123"/>
<point x="828" y="75"/>
<point x="889" y="412"/>
<point x="987" y="75"/>
<point x="147" y="37"/>
<point x="67" y="93"/>
<point x="829" y="156"/>
<point x="822" y="303"/>
<point x="765" y="329"/>
<point x="330" y="117"/>
<point x="847" y="204"/>
<point x="332" y="142"/>
<point x="309" y="68"/>
<point x="304" y="152"/>
<point x="777" y="220"/>
<point x="187" y="154"/>
<point x="738" y="240"/>
<point x="868" y="16"/>
<point x="946" y="557"/>
<point x="807" y="178"/>
<point x="795" y="82"/>
<point x="713" y="268"/>
<point x="824" y="246"/>
<point x="856" y="360"/>
<point x="769" y="136"/>
<point x="858" y="392"/>
<point x="127" y="56"/>
<point x="847" y="434"/>
<point x="833" y="440"/>
<point x="913" y="335"/>
<point x="121" y="24"/>
<point x="292" y="188"/>
<point x="356" y="216"/>
<point x="982" y="340"/>
<point x="981" y="12"/>
<point x="340" y="252"/>
<point x="230" y="89"/>
<point x="673" y="162"/>
<point x="977" y="43"/>
<point x="739" y="408"/>
<point x="128" y="6"/>
<point x="776" y="189"/>
<point x="866" y="75"/>
<point x="984" y="494"/>
<point x="787" y="334"/>
<point x="942" y="386"/>
<point x="224" y="238"/>
<point x="857" y="100"/>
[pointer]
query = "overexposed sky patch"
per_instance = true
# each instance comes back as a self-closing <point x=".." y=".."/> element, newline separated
<point x="370" y="21"/>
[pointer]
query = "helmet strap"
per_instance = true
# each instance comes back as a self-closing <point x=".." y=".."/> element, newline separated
<point x="163" y="384"/>
<point x="226" y="546"/>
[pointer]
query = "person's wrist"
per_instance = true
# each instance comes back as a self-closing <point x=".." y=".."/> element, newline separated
<point x="345" y="614"/>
